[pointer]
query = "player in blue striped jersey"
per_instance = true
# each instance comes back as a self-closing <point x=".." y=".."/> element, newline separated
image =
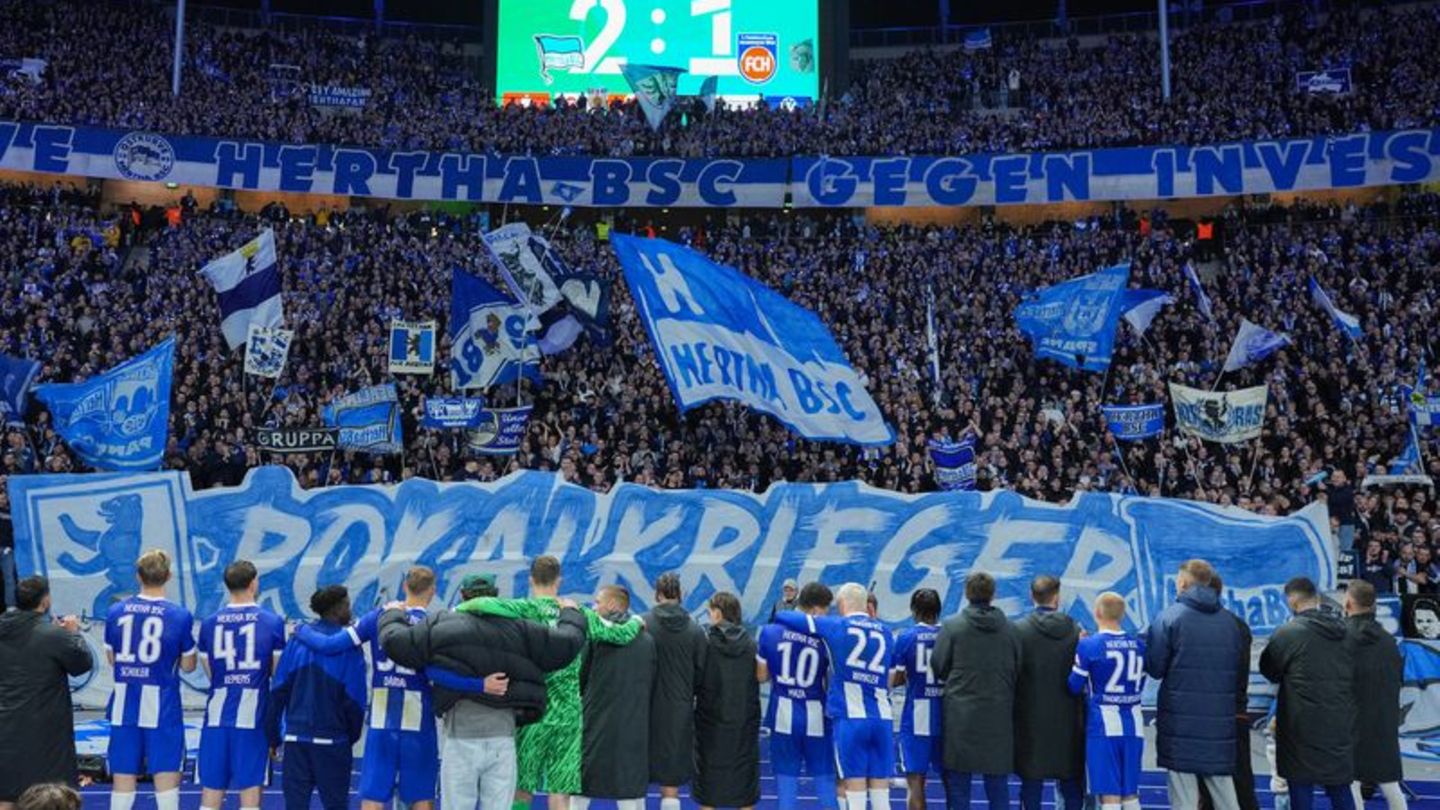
<point x="1110" y="666"/>
<point x="402" y="751"/>
<point x="922" y="745"/>
<point x="858" y="701"/>
<point x="149" y="641"/>
<point x="795" y="663"/>
<point x="239" y="646"/>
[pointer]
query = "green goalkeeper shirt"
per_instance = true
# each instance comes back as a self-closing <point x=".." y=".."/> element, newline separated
<point x="562" y="685"/>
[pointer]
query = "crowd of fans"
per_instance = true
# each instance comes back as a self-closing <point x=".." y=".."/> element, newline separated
<point x="108" y="64"/>
<point x="604" y="413"/>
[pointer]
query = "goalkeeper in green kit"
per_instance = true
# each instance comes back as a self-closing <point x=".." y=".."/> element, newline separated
<point x="548" y="752"/>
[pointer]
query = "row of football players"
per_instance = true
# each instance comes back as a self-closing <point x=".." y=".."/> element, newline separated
<point x="829" y="712"/>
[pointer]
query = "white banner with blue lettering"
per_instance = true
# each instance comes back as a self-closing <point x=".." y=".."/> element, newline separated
<point x="1132" y="173"/>
<point x="85" y="532"/>
<point x="719" y="334"/>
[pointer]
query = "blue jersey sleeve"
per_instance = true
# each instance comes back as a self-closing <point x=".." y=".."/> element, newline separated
<point x="765" y="642"/>
<point x="334" y="643"/>
<point x="900" y="650"/>
<point x="207" y="632"/>
<point x="185" y="630"/>
<point x="455" y="681"/>
<point x="112" y="627"/>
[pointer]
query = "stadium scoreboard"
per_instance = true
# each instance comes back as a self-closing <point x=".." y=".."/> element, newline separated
<point x="755" y="48"/>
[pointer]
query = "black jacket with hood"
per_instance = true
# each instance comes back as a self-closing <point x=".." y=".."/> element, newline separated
<point x="1312" y="658"/>
<point x="475" y="646"/>
<point x="1379" y="671"/>
<point x="680" y="648"/>
<point x="727" y="721"/>
<point x="615" y="685"/>
<point x="1193" y="649"/>
<point x="1049" y="720"/>
<point x="37" y="721"/>
<point x="977" y="655"/>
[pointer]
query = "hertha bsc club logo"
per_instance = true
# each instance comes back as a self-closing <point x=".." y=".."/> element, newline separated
<point x="142" y="156"/>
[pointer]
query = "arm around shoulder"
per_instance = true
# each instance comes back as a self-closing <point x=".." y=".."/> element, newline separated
<point x="406" y="644"/>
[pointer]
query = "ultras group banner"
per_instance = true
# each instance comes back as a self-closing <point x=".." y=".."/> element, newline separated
<point x="85" y="532"/>
<point x="1135" y="173"/>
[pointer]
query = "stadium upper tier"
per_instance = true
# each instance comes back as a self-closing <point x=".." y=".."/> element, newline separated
<point x="109" y="64"/>
<point x="605" y="412"/>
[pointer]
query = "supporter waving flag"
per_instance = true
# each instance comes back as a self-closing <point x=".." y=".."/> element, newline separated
<point x="655" y="89"/>
<point x="1202" y="301"/>
<point x="1344" y="321"/>
<point x="248" y="281"/>
<point x="17" y="375"/>
<point x="1252" y="344"/>
<point x="720" y="334"/>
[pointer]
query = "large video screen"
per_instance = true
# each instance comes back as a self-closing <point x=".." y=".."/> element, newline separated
<point x="756" y="48"/>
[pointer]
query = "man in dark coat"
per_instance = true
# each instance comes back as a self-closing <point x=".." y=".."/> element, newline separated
<point x="680" y="647"/>
<point x="615" y="689"/>
<point x="1244" y="777"/>
<point x="1193" y="649"/>
<point x="1311" y="657"/>
<point x="1049" y="720"/>
<point x="477" y="728"/>
<point x="1378" y="674"/>
<point x="37" y="722"/>
<point x="727" y="713"/>
<point x="977" y="655"/>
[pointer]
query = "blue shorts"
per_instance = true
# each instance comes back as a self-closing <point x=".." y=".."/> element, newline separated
<point x="405" y="760"/>
<point x="232" y="758"/>
<point x="791" y="753"/>
<point x="864" y="749"/>
<point x="134" y="751"/>
<point x="1113" y="765"/>
<point x="921" y="754"/>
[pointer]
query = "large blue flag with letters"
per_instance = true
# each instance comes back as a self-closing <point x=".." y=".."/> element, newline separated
<point x="1074" y="322"/>
<point x="721" y="335"/>
<point x="117" y="420"/>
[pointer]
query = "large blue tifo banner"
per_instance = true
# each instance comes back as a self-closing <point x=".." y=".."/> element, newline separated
<point x="1133" y="173"/>
<point x="85" y="532"/>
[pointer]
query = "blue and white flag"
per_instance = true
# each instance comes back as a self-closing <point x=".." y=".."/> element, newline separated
<point x="1202" y="301"/>
<point x="1134" y="422"/>
<point x="266" y="351"/>
<point x="248" y="281"/>
<point x="954" y="463"/>
<point x="17" y="376"/>
<point x="559" y="53"/>
<point x="719" y="334"/>
<point x="1252" y="344"/>
<point x="1226" y="417"/>
<point x="1141" y="307"/>
<point x="513" y="248"/>
<point x="1344" y="321"/>
<point x="1408" y="462"/>
<point x="1074" y="322"/>
<point x="491" y="343"/>
<point x="368" y="419"/>
<point x="412" y="347"/>
<point x="117" y="420"/>
<point x="500" y="432"/>
<point x="654" y="87"/>
<point x="932" y="348"/>
<point x="1424" y="409"/>
<point x="978" y="39"/>
<point x="707" y="92"/>
<point x="453" y="413"/>
<point x="558" y="331"/>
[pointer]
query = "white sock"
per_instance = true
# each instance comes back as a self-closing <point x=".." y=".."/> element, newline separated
<point x="1131" y="804"/>
<point x="121" y="801"/>
<point x="242" y="807"/>
<point x="167" y="799"/>
<point x="880" y="798"/>
<point x="636" y="804"/>
<point x="1394" y="796"/>
<point x="579" y="803"/>
<point x="855" y="800"/>
<point x="1109" y="807"/>
<point x="669" y="804"/>
<point x="203" y="807"/>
